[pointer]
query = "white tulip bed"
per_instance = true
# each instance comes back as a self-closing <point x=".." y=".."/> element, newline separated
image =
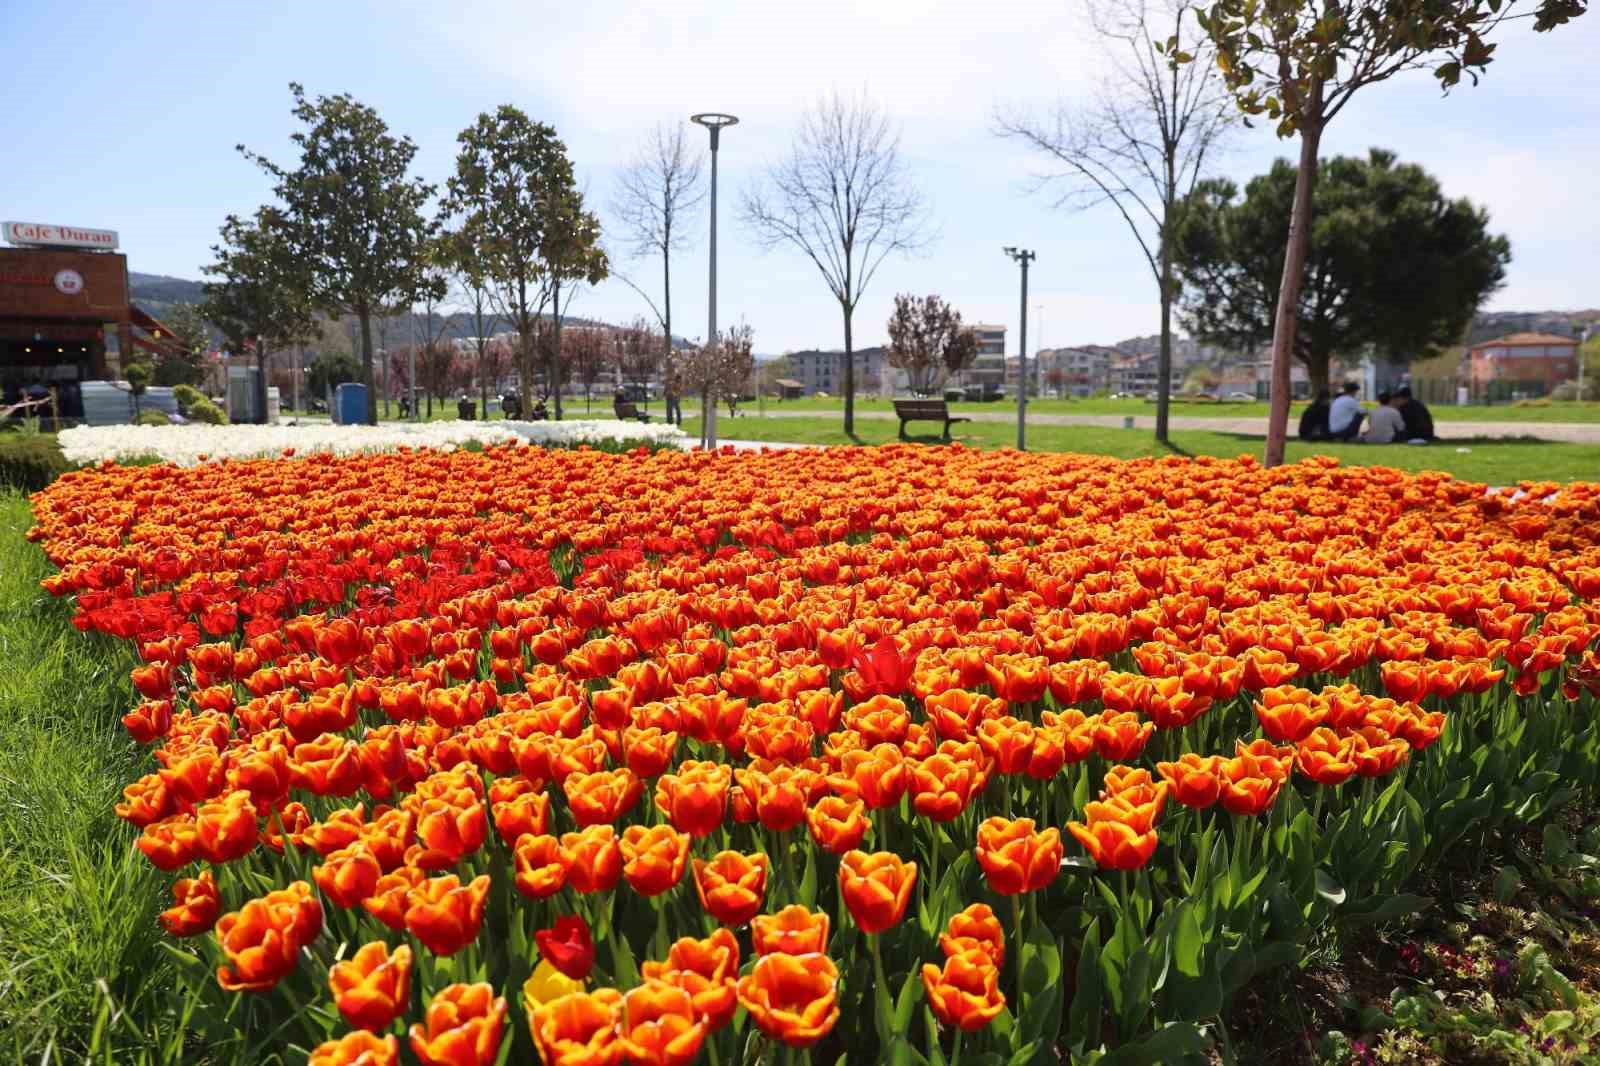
<point x="191" y="445"/>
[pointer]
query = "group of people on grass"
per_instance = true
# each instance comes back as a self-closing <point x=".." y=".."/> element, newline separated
<point x="1399" y="418"/>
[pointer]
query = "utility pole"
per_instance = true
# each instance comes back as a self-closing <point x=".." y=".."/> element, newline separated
<point x="714" y="122"/>
<point x="1022" y="257"/>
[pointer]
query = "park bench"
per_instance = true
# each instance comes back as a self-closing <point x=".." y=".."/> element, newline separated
<point x="925" y="411"/>
<point x="626" y="410"/>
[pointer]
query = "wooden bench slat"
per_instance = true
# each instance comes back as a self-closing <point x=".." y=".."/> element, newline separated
<point x="925" y="411"/>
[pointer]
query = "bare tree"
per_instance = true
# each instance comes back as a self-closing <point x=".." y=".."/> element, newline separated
<point x="586" y="352"/>
<point x="636" y="354"/>
<point x="844" y="198"/>
<point x="928" y="341"/>
<point x="1143" y="142"/>
<point x="655" y="196"/>
<point x="718" y="371"/>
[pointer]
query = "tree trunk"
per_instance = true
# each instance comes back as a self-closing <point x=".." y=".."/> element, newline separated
<point x="670" y="397"/>
<point x="1164" y="356"/>
<point x="364" y="314"/>
<point x="1294" y="260"/>
<point x="483" y="377"/>
<point x="849" y="375"/>
<point x="261" y="384"/>
<point x="1317" y="369"/>
<point x="555" y="347"/>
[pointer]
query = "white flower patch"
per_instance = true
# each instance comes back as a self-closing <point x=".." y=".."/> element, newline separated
<point x="190" y="445"/>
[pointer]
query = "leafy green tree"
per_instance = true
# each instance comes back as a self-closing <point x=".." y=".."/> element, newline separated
<point x="260" y="298"/>
<point x="1392" y="262"/>
<point x="517" y="214"/>
<point x="1299" y="62"/>
<point x="329" y="370"/>
<point x="352" y="214"/>
<point x="185" y="361"/>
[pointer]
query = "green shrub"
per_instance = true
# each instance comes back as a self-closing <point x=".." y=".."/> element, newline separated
<point x="203" y="410"/>
<point x="152" y="418"/>
<point x="187" y="396"/>
<point x="29" y="462"/>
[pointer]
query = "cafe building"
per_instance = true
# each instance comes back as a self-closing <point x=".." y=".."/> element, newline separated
<point x="65" y="315"/>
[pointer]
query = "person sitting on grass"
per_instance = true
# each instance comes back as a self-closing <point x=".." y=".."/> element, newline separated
<point x="1387" y="425"/>
<point x="1418" y="419"/>
<point x="1344" y="417"/>
<point x="1314" y="419"/>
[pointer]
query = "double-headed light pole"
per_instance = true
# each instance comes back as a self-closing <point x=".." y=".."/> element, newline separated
<point x="714" y="122"/>
<point x="1023" y="257"/>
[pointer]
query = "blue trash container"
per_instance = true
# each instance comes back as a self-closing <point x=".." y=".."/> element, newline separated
<point x="350" y="404"/>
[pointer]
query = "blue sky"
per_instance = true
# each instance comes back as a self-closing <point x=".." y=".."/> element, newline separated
<point x="132" y="112"/>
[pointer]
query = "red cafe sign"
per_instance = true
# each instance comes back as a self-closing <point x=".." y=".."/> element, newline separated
<point x="41" y="234"/>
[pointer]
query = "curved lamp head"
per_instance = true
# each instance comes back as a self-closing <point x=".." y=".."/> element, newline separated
<point x="714" y="121"/>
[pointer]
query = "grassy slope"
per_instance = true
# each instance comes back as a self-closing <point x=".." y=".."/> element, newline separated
<point x="1495" y="462"/>
<point x="77" y="900"/>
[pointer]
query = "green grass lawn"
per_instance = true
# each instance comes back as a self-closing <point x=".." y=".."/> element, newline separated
<point x="1554" y="412"/>
<point x="82" y="975"/>
<point x="1496" y="462"/>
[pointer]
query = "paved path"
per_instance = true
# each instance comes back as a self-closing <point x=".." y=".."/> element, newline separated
<point x="1570" y="432"/>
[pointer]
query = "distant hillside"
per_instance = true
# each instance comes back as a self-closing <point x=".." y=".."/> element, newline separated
<point x="157" y="292"/>
<point x="1489" y="324"/>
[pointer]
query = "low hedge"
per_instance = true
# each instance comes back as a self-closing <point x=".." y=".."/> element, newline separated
<point x="30" y="461"/>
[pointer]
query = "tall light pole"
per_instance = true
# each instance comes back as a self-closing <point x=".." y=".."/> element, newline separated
<point x="1583" y="340"/>
<point x="714" y="122"/>
<point x="1023" y="257"/>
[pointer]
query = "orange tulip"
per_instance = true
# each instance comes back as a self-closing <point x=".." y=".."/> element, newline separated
<point x="349" y="875"/>
<point x="579" y="1028"/>
<point x="877" y="776"/>
<point x="1326" y="758"/>
<point x="660" y="1026"/>
<point x="706" y="969"/>
<point x="1114" y="845"/>
<point x="593" y="859"/>
<point x="373" y="987"/>
<point x="1015" y="858"/>
<point x="965" y="992"/>
<point x="462" y="1027"/>
<point x="941" y="787"/>
<point x="359" y="1048"/>
<point x="445" y="914"/>
<point x="975" y="927"/>
<point x="541" y="866"/>
<point x="262" y="940"/>
<point x="876" y="888"/>
<point x="731" y="886"/>
<point x="792" y="931"/>
<point x="195" y="904"/>
<point x="695" y="797"/>
<point x="170" y="843"/>
<point x="838" y="824"/>
<point x="1194" y="779"/>
<point x="519" y="812"/>
<point x="792" y="998"/>
<point x="602" y="797"/>
<point x="654" y="858"/>
<point x="1289" y="714"/>
<point x="225" y="828"/>
<point x="648" y="751"/>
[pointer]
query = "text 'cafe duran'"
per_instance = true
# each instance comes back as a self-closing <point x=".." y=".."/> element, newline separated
<point x="63" y="305"/>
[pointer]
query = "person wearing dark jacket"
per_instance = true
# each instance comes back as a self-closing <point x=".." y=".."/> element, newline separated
<point x="1418" y="419"/>
<point x="1314" y="419"/>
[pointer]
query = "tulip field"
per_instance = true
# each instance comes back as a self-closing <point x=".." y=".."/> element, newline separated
<point x="900" y="755"/>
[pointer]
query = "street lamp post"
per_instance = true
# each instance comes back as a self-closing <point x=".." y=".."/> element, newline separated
<point x="1023" y="257"/>
<point x="1583" y="341"/>
<point x="714" y="122"/>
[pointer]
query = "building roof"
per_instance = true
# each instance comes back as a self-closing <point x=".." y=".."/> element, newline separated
<point x="789" y="383"/>
<point x="1512" y="340"/>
